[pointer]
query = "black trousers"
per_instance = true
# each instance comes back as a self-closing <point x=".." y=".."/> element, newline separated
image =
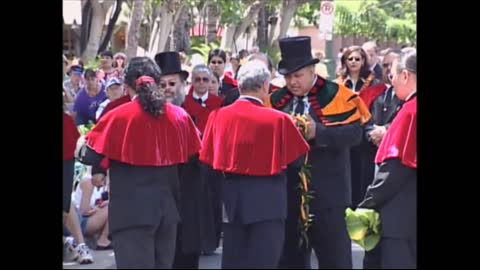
<point x="184" y="260"/>
<point x="68" y="173"/>
<point x="393" y="253"/>
<point x="253" y="246"/>
<point x="145" y="247"/>
<point x="328" y="237"/>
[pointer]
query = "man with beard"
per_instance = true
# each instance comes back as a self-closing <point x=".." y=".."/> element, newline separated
<point x="196" y="229"/>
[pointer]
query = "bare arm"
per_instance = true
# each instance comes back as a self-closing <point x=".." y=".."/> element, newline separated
<point x="87" y="191"/>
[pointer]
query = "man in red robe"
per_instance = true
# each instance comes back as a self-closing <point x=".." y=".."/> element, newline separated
<point x="200" y="226"/>
<point x="144" y="140"/>
<point x="393" y="192"/>
<point x="252" y="145"/>
<point x="199" y="103"/>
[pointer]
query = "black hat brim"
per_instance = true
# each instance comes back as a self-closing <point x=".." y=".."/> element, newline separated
<point x="285" y="68"/>
<point x="183" y="73"/>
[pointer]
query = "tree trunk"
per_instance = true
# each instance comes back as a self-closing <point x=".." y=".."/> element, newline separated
<point x="212" y="18"/>
<point x="180" y="33"/>
<point x="133" y="33"/>
<point x="289" y="7"/>
<point x="273" y="22"/>
<point x="249" y="18"/>
<point x="99" y="12"/>
<point x="86" y="23"/>
<point x="111" y="26"/>
<point x="155" y="26"/>
<point x="262" y="29"/>
<point x="166" y="20"/>
<point x="227" y="39"/>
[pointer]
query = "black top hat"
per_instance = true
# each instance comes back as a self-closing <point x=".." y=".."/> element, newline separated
<point x="296" y="54"/>
<point x="169" y="63"/>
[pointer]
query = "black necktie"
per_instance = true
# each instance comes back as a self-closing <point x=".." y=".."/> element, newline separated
<point x="199" y="100"/>
<point x="387" y="101"/>
<point x="300" y="106"/>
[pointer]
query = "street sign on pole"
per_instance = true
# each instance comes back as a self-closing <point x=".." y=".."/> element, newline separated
<point x="327" y="11"/>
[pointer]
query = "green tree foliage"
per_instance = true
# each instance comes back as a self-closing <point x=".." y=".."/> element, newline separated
<point x="381" y="20"/>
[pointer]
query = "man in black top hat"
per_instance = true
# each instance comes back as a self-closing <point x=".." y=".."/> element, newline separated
<point x="334" y="118"/>
<point x="196" y="226"/>
<point x="172" y="80"/>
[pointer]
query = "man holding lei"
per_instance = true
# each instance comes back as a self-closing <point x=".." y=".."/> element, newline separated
<point x="334" y="116"/>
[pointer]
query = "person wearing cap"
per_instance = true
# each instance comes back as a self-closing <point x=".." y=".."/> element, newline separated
<point x="114" y="91"/>
<point x="393" y="192"/>
<point x="335" y="116"/>
<point x="107" y="70"/>
<point x="252" y="145"/>
<point x="145" y="141"/>
<point x="129" y="87"/>
<point x="73" y="84"/>
<point x="196" y="231"/>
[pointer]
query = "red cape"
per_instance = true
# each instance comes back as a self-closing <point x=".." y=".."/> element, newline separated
<point x="70" y="137"/>
<point x="369" y="94"/>
<point x="249" y="139"/>
<point x="228" y="79"/>
<point x="198" y="113"/>
<point x="113" y="104"/>
<point x="132" y="136"/>
<point x="401" y="138"/>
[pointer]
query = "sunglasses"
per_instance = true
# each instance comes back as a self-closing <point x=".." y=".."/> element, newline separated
<point x="164" y="85"/>
<point x="216" y="62"/>
<point x="204" y="79"/>
<point x="357" y="59"/>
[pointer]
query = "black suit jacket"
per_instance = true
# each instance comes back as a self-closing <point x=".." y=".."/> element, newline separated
<point x="330" y="159"/>
<point x="393" y="194"/>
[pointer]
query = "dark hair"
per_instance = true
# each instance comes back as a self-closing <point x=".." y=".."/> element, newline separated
<point x="89" y="73"/>
<point x="149" y="99"/>
<point x="216" y="76"/>
<point x="364" y="69"/>
<point x="107" y="53"/>
<point x="243" y="53"/>
<point x="140" y="66"/>
<point x="217" y="52"/>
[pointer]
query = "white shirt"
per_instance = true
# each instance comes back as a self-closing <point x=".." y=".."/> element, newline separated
<point x="305" y="99"/>
<point x="203" y="98"/>
<point x="246" y="96"/>
<point x="77" y="195"/>
<point x="101" y="107"/>
<point x="354" y="84"/>
<point x="411" y="94"/>
<point x="134" y="97"/>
